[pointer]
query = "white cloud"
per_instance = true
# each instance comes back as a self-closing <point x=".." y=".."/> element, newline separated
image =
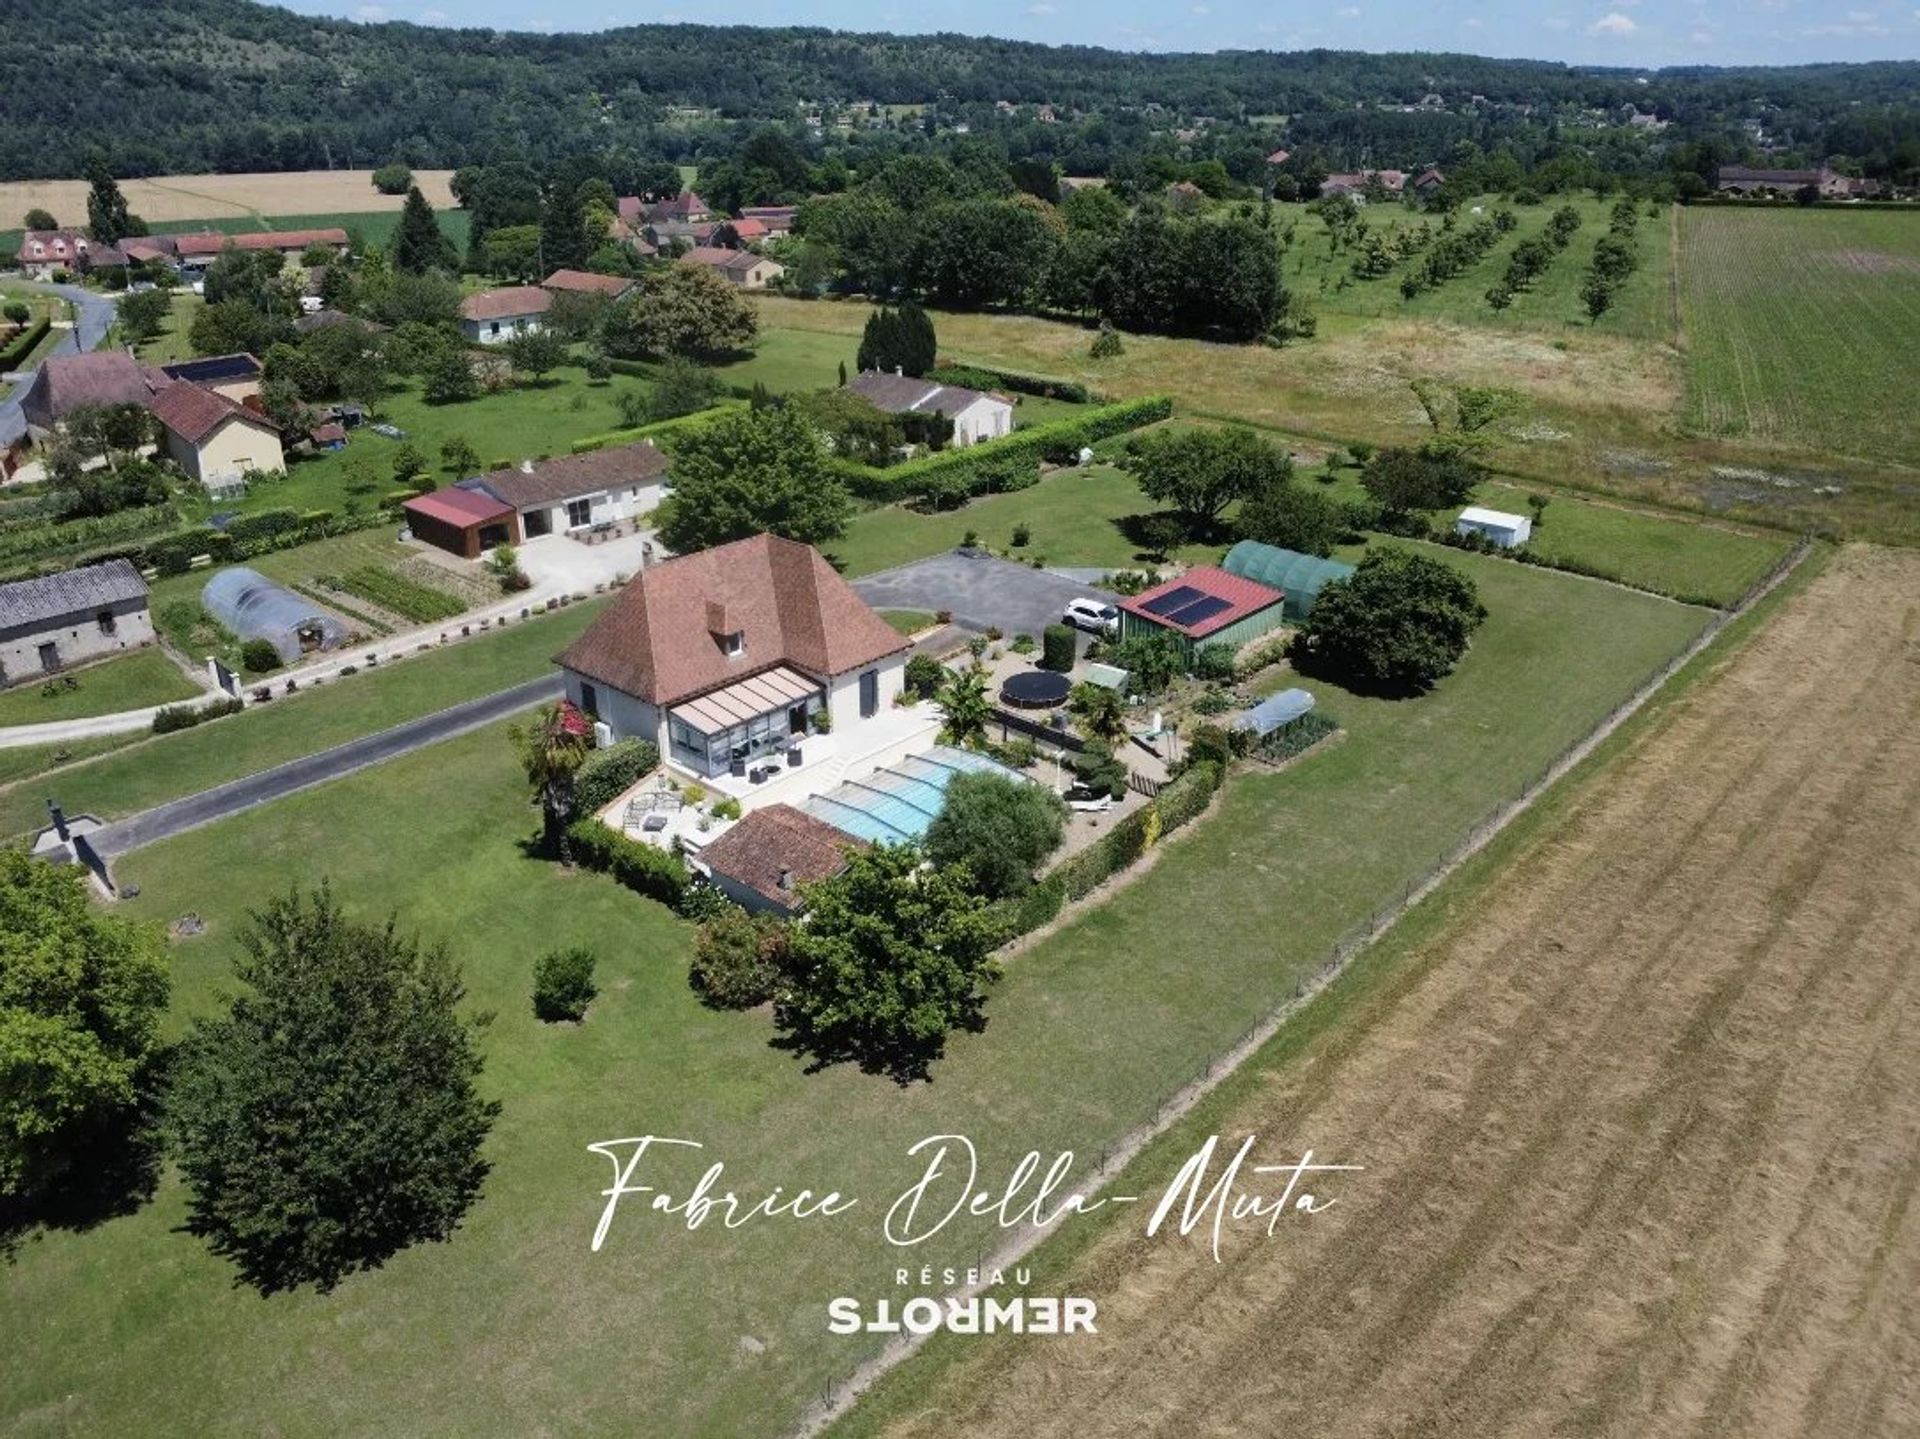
<point x="1203" y="9"/>
<point x="434" y="17"/>
<point x="371" y="13"/>
<point x="1350" y="12"/>
<point x="1473" y="22"/>
<point x="1612" y="23"/>
<point x="1042" y="9"/>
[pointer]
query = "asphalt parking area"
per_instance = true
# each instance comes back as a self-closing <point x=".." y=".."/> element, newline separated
<point x="982" y="592"/>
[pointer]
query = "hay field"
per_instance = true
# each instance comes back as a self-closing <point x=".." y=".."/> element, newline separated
<point x="1800" y="327"/>
<point x="1640" y="1118"/>
<point x="210" y="197"/>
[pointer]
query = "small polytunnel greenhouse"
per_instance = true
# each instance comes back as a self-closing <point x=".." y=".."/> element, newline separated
<point x="1300" y="577"/>
<point x="255" y="608"/>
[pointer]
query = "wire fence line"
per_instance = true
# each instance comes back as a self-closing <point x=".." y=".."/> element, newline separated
<point x="840" y="1390"/>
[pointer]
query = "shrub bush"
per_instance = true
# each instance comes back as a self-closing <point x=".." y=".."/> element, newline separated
<point x="924" y="676"/>
<point x="1057" y="646"/>
<point x="737" y="959"/>
<point x="179" y="717"/>
<point x="606" y="773"/>
<point x="982" y="377"/>
<point x="1213" y="662"/>
<point x="259" y="656"/>
<point x="563" y="984"/>
<point x="640" y="867"/>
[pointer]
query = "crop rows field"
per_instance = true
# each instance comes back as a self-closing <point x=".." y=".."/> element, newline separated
<point x="1800" y="327"/>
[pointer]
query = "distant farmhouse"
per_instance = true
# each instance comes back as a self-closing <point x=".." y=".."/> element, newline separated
<point x="551" y="497"/>
<point x="1740" y="180"/>
<point x="740" y="268"/>
<point x="53" y="623"/>
<point x="976" y="416"/>
<point x="492" y="317"/>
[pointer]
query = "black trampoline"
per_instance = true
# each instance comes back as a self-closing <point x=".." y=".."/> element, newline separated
<point x="1035" y="690"/>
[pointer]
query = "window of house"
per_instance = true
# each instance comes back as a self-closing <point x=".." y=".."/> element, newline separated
<point x="590" y="700"/>
<point x="105" y="618"/>
<point x="579" y="512"/>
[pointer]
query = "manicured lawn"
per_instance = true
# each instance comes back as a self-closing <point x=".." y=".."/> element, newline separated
<point x="18" y="762"/>
<point x="1672" y="556"/>
<point x="173" y="343"/>
<point x="170" y="766"/>
<point x="787" y="360"/>
<point x="1072" y="515"/>
<point x="908" y="622"/>
<point x="515" y="1324"/>
<point x="128" y="682"/>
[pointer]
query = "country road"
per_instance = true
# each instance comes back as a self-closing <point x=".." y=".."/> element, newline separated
<point x="90" y="328"/>
<point x="178" y="816"/>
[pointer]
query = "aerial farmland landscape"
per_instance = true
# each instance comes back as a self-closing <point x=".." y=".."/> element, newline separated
<point x="783" y="731"/>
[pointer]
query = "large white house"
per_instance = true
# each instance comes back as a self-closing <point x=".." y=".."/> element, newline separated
<point x="492" y="317"/>
<point x="743" y="663"/>
<point x="976" y="416"/>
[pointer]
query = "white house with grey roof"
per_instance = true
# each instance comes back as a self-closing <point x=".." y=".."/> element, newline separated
<point x="59" y="621"/>
<point x="976" y="416"/>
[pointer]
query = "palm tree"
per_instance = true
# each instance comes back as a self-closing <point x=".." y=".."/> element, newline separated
<point x="964" y="705"/>
<point x="551" y="751"/>
<point x="1100" y="714"/>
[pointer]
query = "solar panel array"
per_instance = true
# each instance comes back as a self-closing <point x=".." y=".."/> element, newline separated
<point x="1186" y="606"/>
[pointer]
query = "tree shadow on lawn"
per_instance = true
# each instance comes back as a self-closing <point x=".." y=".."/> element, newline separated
<point x="111" y="1173"/>
<point x="1156" y="534"/>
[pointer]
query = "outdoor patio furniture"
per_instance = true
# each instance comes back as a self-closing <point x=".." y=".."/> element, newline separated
<point x="653" y="823"/>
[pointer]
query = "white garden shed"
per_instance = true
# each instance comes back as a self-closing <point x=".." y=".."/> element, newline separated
<point x="1502" y="528"/>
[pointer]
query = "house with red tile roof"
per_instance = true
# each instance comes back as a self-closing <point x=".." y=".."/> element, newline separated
<point x="100" y="378"/>
<point x="727" y="659"/>
<point x="584" y="282"/>
<point x="214" y="439"/>
<point x="43" y="252"/>
<point x="492" y="317"/>
<point x="762" y="862"/>
<point x="741" y="268"/>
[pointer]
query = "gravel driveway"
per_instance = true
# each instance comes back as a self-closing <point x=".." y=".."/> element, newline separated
<point x="982" y="592"/>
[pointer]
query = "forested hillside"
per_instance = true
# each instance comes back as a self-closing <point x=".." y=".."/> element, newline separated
<point x="196" y="85"/>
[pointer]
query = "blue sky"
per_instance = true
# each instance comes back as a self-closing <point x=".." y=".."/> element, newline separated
<point x="1619" y="32"/>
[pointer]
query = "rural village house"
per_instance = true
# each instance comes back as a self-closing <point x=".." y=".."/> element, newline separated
<point x="214" y="439"/>
<point x="584" y="282"/>
<point x="741" y="268"/>
<point x="492" y="317"/>
<point x="49" y="624"/>
<point x="729" y="657"/>
<point x="574" y="492"/>
<point x="42" y="252"/>
<point x="762" y="862"/>
<point x="976" y="416"/>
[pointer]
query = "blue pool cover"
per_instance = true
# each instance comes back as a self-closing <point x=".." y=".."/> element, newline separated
<point x="899" y="803"/>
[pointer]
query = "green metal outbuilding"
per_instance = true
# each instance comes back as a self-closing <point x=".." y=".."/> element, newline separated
<point x="1300" y="577"/>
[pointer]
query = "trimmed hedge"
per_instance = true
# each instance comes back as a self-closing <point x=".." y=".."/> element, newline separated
<point x="606" y="773"/>
<point x="640" y="867"/>
<point x="657" y="428"/>
<point x="988" y="377"/>
<point x="1059" y="443"/>
<point x="1059" y="647"/>
<point x="22" y="344"/>
<point x="179" y="717"/>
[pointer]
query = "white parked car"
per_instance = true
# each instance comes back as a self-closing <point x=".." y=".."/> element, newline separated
<point x="1085" y="799"/>
<point x="1095" y="616"/>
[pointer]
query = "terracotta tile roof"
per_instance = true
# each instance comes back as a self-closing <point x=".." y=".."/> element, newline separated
<point x="586" y="283"/>
<point x="212" y="243"/>
<point x="720" y="259"/>
<point x="1241" y="596"/>
<point x="514" y="301"/>
<point x="457" y="507"/>
<point x="748" y="228"/>
<point x="654" y="643"/>
<point x="64" y="383"/>
<point x="779" y="839"/>
<point x="683" y="206"/>
<point x="193" y="413"/>
<point x="572" y="476"/>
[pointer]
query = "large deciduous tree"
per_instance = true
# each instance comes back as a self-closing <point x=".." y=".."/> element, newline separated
<point x="1200" y="472"/>
<point x="1435" y="477"/>
<point x="749" y="472"/>
<point x="681" y="310"/>
<point x="81" y="995"/>
<point x="1288" y="514"/>
<point x="330" y="1117"/>
<point x="894" y="955"/>
<point x="1398" y="623"/>
<point x="1001" y="829"/>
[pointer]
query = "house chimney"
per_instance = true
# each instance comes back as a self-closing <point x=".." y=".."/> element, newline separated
<point x="785" y="882"/>
<point x="59" y="818"/>
<point x="719" y="622"/>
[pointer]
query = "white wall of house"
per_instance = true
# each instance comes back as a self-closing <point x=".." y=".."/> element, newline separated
<point x="984" y="419"/>
<point x="498" y="332"/>
<point x="621" y="502"/>
<point x="627" y="717"/>
<point x="843" y="696"/>
<point x="74" y="639"/>
<point x="228" y="453"/>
